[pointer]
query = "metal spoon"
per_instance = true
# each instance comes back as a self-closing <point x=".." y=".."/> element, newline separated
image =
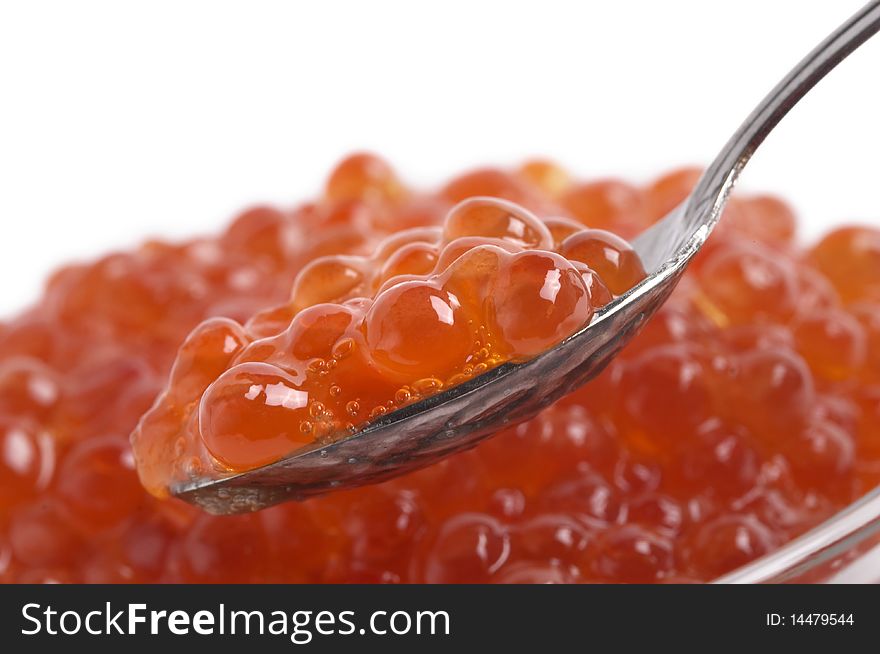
<point x="459" y="418"/>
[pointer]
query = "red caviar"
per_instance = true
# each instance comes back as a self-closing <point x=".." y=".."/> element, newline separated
<point x="747" y="411"/>
<point x="362" y="336"/>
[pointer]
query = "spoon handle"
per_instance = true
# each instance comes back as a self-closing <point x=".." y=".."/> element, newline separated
<point x="679" y="236"/>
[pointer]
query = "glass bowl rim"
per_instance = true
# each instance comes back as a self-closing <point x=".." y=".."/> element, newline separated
<point x="831" y="538"/>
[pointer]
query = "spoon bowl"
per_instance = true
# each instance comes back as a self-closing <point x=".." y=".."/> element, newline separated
<point x="460" y="417"/>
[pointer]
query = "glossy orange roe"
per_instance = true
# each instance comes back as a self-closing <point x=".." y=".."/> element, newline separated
<point x="723" y="430"/>
<point x="362" y="336"/>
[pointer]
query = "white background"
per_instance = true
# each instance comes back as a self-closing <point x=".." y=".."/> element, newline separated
<point x="122" y="120"/>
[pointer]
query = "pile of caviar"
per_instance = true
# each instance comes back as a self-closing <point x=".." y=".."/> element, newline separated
<point x="362" y="336"/>
<point x="746" y="412"/>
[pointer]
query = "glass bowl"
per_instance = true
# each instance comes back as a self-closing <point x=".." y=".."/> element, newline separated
<point x="843" y="549"/>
